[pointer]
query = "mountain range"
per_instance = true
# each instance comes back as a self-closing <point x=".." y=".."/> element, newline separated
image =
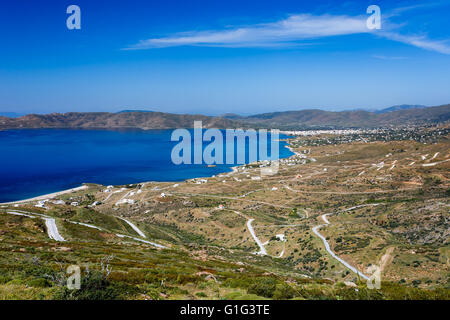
<point x="105" y="120"/>
<point x="320" y="119"/>
<point x="402" y="115"/>
<point x="401" y="107"/>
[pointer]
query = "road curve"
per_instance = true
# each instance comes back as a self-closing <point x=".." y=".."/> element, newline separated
<point x="53" y="233"/>
<point x="21" y="214"/>
<point x="135" y="228"/>
<point x="52" y="229"/>
<point x="355" y="192"/>
<point x="327" y="247"/>
<point x="262" y="251"/>
<point x="141" y="240"/>
<point x="50" y="223"/>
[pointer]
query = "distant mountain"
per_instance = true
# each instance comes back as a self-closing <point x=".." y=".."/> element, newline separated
<point x="303" y="119"/>
<point x="232" y="116"/>
<point x="319" y="119"/>
<point x="125" y="111"/>
<point x="105" y="120"/>
<point x="401" y="107"/>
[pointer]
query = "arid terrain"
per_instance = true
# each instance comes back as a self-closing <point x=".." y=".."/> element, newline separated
<point x="342" y="203"/>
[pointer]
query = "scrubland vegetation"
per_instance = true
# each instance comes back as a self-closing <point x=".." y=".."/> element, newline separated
<point x="384" y="211"/>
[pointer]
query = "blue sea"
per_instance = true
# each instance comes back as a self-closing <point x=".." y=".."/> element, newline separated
<point x="34" y="162"/>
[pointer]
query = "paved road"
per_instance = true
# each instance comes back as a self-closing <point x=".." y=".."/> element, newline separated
<point x="141" y="240"/>
<point x="230" y="198"/>
<point x="327" y="246"/>
<point x="20" y="214"/>
<point x="53" y="233"/>
<point x="262" y="250"/>
<point x="52" y="229"/>
<point x="50" y="223"/>
<point x="354" y="192"/>
<point x="434" y="163"/>
<point x="135" y="228"/>
<point x="85" y="224"/>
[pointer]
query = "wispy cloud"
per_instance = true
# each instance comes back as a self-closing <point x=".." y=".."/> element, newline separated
<point x="419" y="41"/>
<point x="288" y="31"/>
<point x="383" y="57"/>
<point x="401" y="10"/>
<point x="295" y="29"/>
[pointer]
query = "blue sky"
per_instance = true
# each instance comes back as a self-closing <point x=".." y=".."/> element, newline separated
<point x="216" y="57"/>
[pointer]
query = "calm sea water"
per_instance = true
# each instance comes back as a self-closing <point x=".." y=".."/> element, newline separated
<point x="41" y="161"/>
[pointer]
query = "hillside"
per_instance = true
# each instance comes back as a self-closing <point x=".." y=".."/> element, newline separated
<point x="303" y="119"/>
<point x="401" y="107"/>
<point x="315" y="118"/>
<point x="104" y="120"/>
<point x="342" y="207"/>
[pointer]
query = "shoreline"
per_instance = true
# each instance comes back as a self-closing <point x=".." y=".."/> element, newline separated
<point x="232" y="170"/>
<point x="47" y="196"/>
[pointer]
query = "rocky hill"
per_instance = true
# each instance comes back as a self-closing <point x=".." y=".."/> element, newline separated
<point x="303" y="119"/>
<point x="315" y="118"/>
<point x="104" y="120"/>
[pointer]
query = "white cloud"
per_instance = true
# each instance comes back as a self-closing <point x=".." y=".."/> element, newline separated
<point x="401" y="10"/>
<point x="294" y="28"/>
<point x="419" y="41"/>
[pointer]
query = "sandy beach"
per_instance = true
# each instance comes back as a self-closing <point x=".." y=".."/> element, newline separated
<point x="47" y="196"/>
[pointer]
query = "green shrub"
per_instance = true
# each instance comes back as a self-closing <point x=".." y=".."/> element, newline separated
<point x="201" y="294"/>
<point x="94" y="286"/>
<point x="284" y="291"/>
<point x="16" y="282"/>
<point x="416" y="282"/>
<point x="263" y="287"/>
<point x="4" y="279"/>
<point x="39" y="283"/>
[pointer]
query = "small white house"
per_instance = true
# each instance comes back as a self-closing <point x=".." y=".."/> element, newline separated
<point x="95" y="203"/>
<point x="41" y="204"/>
<point x="128" y="201"/>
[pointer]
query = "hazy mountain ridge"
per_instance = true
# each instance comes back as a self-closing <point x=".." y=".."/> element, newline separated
<point x="133" y="110"/>
<point x="401" y="107"/>
<point x="105" y="120"/>
<point x="315" y="118"/>
<point x="302" y="119"/>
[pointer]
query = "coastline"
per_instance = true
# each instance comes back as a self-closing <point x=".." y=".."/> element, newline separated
<point x="47" y="196"/>
<point x="231" y="170"/>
